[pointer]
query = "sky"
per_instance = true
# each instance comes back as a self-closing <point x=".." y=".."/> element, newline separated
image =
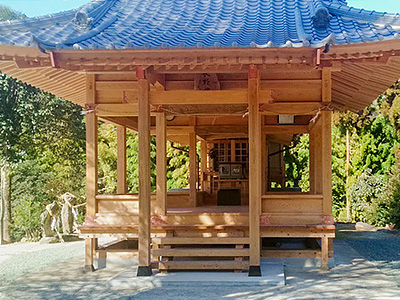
<point x="33" y="8"/>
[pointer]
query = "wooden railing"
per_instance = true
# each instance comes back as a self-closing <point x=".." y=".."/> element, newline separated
<point x="292" y="209"/>
<point x="129" y="203"/>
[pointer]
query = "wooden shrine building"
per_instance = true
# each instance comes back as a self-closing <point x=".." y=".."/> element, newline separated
<point x="239" y="77"/>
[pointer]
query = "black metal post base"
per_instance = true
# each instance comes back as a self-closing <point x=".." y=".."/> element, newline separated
<point x="144" y="271"/>
<point x="255" y="271"/>
<point x="88" y="268"/>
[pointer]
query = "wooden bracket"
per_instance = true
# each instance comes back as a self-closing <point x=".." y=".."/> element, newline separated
<point x="157" y="108"/>
<point x="253" y="71"/>
<point x="318" y="57"/>
<point x="90" y="108"/>
<point x="140" y="74"/>
<point x="53" y="60"/>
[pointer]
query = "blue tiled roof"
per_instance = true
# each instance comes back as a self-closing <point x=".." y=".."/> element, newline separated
<point x="121" y="24"/>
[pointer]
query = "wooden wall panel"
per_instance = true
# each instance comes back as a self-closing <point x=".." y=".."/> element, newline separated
<point x="295" y="206"/>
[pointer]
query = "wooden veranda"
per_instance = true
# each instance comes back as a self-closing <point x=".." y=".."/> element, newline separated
<point x="210" y="115"/>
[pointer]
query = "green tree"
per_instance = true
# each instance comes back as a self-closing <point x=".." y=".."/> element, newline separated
<point x="7" y="13"/>
<point x="47" y="131"/>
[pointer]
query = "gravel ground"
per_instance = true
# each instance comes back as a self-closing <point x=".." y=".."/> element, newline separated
<point x="55" y="272"/>
<point x="17" y="260"/>
<point x="384" y="253"/>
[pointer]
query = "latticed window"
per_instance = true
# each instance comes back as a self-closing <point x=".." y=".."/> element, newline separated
<point x="224" y="151"/>
<point x="241" y="152"/>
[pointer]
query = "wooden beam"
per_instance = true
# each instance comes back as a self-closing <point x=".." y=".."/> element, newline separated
<point x="201" y="240"/>
<point x="117" y="110"/>
<point x="161" y="161"/>
<point x="155" y="79"/>
<point x="121" y="159"/>
<point x="254" y="170"/>
<point x="290" y="108"/>
<point x="285" y="129"/>
<point x="91" y="165"/>
<point x="220" y="129"/>
<point x="116" y="86"/>
<point x="144" y="177"/>
<point x="174" y="130"/>
<point x="291" y="253"/>
<point x="128" y="122"/>
<point x="206" y="109"/>
<point x="213" y="137"/>
<point x="196" y="252"/>
<point x="238" y="96"/>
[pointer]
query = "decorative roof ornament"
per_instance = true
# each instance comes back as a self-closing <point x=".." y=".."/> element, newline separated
<point x="321" y="19"/>
<point x="82" y="22"/>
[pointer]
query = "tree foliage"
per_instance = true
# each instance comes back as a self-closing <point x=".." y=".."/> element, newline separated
<point x="374" y="176"/>
<point x="7" y="13"/>
<point x="43" y="138"/>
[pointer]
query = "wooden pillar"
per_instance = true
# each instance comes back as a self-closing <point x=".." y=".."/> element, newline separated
<point x="203" y="154"/>
<point x="326" y="161"/>
<point x="254" y="170"/>
<point x="312" y="160"/>
<point x="144" y="268"/>
<point x="121" y="159"/>
<point x="264" y="163"/>
<point x="233" y="152"/>
<point x="193" y="170"/>
<point x="326" y="143"/>
<point x="315" y="157"/>
<point x="161" y="161"/>
<point x="91" y="167"/>
<point x="324" y="253"/>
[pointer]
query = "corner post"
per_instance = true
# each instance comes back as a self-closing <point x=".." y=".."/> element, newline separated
<point x="121" y="159"/>
<point x="326" y="163"/>
<point x="161" y="161"/>
<point x="144" y="268"/>
<point x="91" y="166"/>
<point x="254" y="170"/>
<point x="326" y="117"/>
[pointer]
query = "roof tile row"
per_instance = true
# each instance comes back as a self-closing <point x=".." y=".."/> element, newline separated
<point x="120" y="24"/>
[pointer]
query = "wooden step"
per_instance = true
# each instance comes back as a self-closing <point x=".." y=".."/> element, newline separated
<point x="204" y="265"/>
<point x="117" y="250"/>
<point x="196" y="252"/>
<point x="201" y="240"/>
<point x="283" y="253"/>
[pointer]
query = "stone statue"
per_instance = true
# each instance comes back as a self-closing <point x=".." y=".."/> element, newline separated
<point x="46" y="217"/>
<point x="67" y="217"/>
